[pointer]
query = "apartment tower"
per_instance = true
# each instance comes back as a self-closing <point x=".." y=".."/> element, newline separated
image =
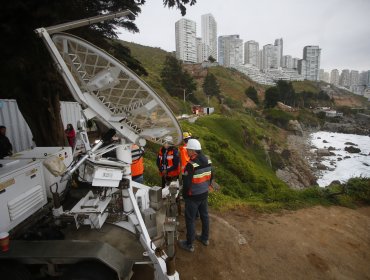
<point x="251" y="53"/>
<point x="209" y="34"/>
<point x="186" y="46"/>
<point x="311" y="55"/>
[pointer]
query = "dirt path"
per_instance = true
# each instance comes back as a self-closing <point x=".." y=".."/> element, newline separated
<point x="312" y="243"/>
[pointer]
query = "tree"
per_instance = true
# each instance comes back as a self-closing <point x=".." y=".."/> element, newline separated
<point x="211" y="59"/>
<point x="271" y="97"/>
<point x="286" y="92"/>
<point x="210" y="85"/>
<point x="174" y="79"/>
<point x="251" y="92"/>
<point x="27" y="70"/>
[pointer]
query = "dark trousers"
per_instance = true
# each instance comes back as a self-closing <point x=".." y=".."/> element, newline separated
<point x="191" y="209"/>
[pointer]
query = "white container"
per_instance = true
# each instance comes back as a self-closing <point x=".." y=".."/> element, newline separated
<point x="22" y="191"/>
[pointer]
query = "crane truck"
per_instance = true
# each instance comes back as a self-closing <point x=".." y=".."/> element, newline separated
<point x="110" y="223"/>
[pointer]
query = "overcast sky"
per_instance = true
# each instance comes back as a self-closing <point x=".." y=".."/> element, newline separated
<point x="341" y="28"/>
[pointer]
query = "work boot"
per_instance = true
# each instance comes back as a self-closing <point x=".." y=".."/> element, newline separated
<point x="204" y="242"/>
<point x="183" y="244"/>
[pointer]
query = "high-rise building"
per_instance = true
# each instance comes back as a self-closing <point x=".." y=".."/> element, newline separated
<point x="295" y="63"/>
<point x="279" y="45"/>
<point x="230" y="50"/>
<point x="270" y="57"/>
<point x="203" y="51"/>
<point x="365" y="78"/>
<point x="209" y="34"/>
<point x="354" y="78"/>
<point x="344" y="79"/>
<point x="312" y="54"/>
<point x="324" y="76"/>
<point x="251" y="53"/>
<point x="302" y="68"/>
<point x="260" y="59"/>
<point x="287" y="61"/>
<point x="334" y="77"/>
<point x="186" y="47"/>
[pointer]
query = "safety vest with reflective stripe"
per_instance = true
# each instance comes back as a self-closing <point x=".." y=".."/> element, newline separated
<point x="167" y="162"/>
<point x="184" y="157"/>
<point x="201" y="177"/>
<point x="137" y="166"/>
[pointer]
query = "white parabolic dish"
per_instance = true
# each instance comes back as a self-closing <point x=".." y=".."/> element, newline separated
<point x="113" y="93"/>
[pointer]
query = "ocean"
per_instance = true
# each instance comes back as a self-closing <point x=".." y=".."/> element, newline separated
<point x="357" y="165"/>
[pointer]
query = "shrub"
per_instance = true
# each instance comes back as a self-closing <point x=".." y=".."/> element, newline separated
<point x="359" y="189"/>
<point x="278" y="117"/>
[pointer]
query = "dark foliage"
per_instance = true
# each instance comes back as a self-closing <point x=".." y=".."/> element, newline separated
<point x="271" y="97"/>
<point x="210" y="85"/>
<point x="251" y="92"/>
<point x="211" y="59"/>
<point x="174" y="79"/>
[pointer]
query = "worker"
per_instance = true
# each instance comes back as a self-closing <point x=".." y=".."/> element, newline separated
<point x="168" y="161"/>
<point x="71" y="135"/>
<point x="183" y="153"/>
<point x="137" y="165"/>
<point x="197" y="177"/>
<point x="6" y="148"/>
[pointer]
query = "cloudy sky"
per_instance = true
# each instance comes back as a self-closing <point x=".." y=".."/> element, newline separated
<point x="340" y="27"/>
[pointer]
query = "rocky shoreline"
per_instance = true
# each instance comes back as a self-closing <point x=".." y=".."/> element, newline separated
<point x="300" y="174"/>
<point x="306" y="162"/>
<point x="358" y="124"/>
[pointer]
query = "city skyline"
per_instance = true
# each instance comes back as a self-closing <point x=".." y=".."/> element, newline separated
<point x="341" y="28"/>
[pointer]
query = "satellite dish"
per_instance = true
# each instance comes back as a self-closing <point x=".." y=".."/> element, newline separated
<point x="113" y="93"/>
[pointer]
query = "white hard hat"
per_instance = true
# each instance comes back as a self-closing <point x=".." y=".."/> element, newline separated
<point x="168" y="139"/>
<point x="193" y="144"/>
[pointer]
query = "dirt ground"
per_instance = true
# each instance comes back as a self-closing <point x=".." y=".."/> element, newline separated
<point x="312" y="243"/>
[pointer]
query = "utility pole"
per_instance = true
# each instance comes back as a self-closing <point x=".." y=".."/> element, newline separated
<point x="185" y="95"/>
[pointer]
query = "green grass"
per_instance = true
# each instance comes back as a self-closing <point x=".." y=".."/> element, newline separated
<point x="236" y="145"/>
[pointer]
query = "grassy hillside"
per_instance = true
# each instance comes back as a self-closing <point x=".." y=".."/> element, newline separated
<point x="152" y="59"/>
<point x="238" y="144"/>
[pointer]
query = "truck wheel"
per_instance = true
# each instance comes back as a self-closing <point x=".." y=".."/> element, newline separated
<point x="89" y="271"/>
<point x="10" y="270"/>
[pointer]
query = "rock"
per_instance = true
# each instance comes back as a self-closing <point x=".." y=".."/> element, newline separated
<point x="321" y="166"/>
<point x="339" y="159"/>
<point x="366" y="164"/>
<point x="352" y="150"/>
<point x="331" y="148"/>
<point x="324" y="141"/>
<point x="286" y="154"/>
<point x="350" y="143"/>
<point x="296" y="127"/>
<point x="323" y="152"/>
<point x="347" y="157"/>
<point x="335" y="182"/>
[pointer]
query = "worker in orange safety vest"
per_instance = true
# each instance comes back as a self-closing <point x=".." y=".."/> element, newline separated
<point x="168" y="161"/>
<point x="183" y="152"/>
<point x="137" y="165"/>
